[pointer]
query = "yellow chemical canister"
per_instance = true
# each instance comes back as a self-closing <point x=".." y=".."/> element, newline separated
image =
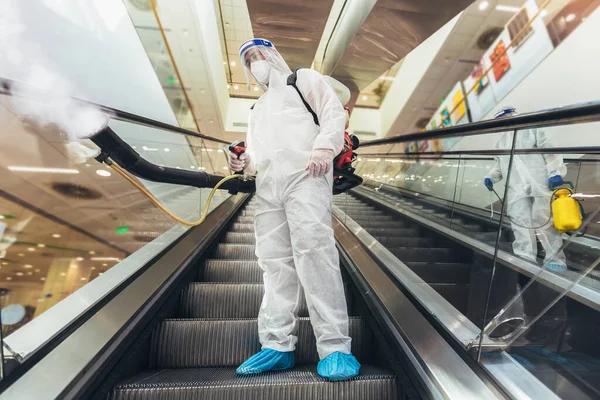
<point x="566" y="211"/>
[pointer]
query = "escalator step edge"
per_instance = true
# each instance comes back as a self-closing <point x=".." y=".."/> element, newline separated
<point x="300" y="383"/>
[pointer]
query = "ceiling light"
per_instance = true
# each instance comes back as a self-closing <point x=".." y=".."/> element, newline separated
<point x="208" y="149"/>
<point x="27" y="266"/>
<point x="84" y="279"/>
<point x="63" y="274"/>
<point x="1" y="216"/>
<point x="92" y="252"/>
<point x="30" y="249"/>
<point x="79" y="258"/>
<point x="256" y="88"/>
<point x="544" y="13"/>
<point x="364" y="97"/>
<point x="105" y="265"/>
<point x="21" y="255"/>
<point x="8" y="278"/>
<point x="74" y="266"/>
<point x="146" y="148"/>
<point x="56" y="236"/>
<point x="167" y="149"/>
<point x="41" y="245"/>
<point x="4" y="263"/>
<point x="500" y="7"/>
<point x="37" y="270"/>
<point x="102" y="172"/>
<point x="235" y="87"/>
<point x="45" y="170"/>
<point x="19" y="274"/>
<point x="228" y="86"/>
<point x="484" y="5"/>
<point x="105" y="259"/>
<point x="93" y="268"/>
<point x="225" y="168"/>
<point x="42" y="279"/>
<point x="233" y="64"/>
<point x="192" y="167"/>
<point x="570" y="17"/>
<point x="220" y="150"/>
<point x="30" y="273"/>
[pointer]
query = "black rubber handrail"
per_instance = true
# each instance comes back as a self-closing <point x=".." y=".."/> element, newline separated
<point x="7" y="87"/>
<point x="588" y="112"/>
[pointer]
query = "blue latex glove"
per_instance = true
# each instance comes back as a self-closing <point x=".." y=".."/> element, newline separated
<point x="489" y="184"/>
<point x="555" y="181"/>
<point x="267" y="360"/>
<point x="338" y="367"/>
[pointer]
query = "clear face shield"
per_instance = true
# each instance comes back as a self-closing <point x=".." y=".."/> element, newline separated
<point x="261" y="49"/>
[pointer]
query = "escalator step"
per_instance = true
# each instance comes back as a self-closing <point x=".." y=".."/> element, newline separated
<point x="441" y="272"/>
<point x="392" y="232"/>
<point x="223" y="384"/>
<point x="406" y="241"/>
<point x="197" y="343"/>
<point x="390" y="224"/>
<point x="375" y="218"/>
<point x="440" y="254"/>
<point x="228" y="271"/>
<point x="245" y="220"/>
<point x="224" y="300"/>
<point x="242" y="228"/>
<point x="239" y="238"/>
<point x="235" y="252"/>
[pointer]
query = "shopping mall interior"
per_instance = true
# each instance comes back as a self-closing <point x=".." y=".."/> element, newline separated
<point x="464" y="218"/>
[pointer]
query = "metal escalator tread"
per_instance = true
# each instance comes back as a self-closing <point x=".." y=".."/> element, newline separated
<point x="231" y="271"/>
<point x="236" y="251"/>
<point x="238" y="227"/>
<point x="441" y="272"/>
<point x="224" y="300"/>
<point x="194" y="355"/>
<point x="223" y="384"/>
<point x="200" y="343"/>
<point x="431" y="254"/>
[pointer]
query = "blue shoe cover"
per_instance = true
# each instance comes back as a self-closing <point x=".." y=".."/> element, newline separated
<point x="556" y="267"/>
<point x="338" y="367"/>
<point x="267" y="360"/>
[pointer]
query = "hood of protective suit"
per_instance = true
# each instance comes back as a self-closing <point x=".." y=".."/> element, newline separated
<point x="278" y="65"/>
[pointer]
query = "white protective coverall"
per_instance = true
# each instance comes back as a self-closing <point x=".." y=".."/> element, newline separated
<point x="528" y="193"/>
<point x="295" y="245"/>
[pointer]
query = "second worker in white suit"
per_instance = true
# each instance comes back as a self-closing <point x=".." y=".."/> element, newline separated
<point x="292" y="153"/>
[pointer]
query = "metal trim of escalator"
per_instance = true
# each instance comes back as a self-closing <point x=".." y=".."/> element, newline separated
<point x="579" y="292"/>
<point x="83" y="358"/>
<point x="452" y="320"/>
<point x="440" y="372"/>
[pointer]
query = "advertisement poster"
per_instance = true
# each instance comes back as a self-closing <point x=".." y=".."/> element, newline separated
<point x="458" y="105"/>
<point x="479" y="80"/>
<point x="503" y="64"/>
<point x="534" y="44"/>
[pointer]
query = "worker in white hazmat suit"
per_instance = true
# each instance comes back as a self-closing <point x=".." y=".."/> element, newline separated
<point x="533" y="176"/>
<point x="292" y="155"/>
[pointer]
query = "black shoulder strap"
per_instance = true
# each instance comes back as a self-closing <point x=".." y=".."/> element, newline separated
<point x="252" y="108"/>
<point x="291" y="81"/>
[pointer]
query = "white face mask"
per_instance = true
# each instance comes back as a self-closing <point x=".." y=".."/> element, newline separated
<point x="261" y="70"/>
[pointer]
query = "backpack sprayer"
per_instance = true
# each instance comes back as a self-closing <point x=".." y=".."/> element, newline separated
<point x="567" y="211"/>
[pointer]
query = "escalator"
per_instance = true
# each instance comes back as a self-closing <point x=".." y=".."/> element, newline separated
<point x="426" y="253"/>
<point x="558" y="349"/>
<point x="195" y="353"/>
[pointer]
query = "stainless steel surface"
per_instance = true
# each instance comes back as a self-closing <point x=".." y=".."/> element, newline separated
<point x="444" y="373"/>
<point x="514" y="378"/>
<point x="579" y="292"/>
<point x="294" y="27"/>
<point x="92" y="340"/>
<point x="25" y="341"/>
<point x="392" y="29"/>
<point x="459" y="326"/>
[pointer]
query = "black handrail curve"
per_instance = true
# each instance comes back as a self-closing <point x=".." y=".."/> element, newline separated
<point x="7" y="87"/>
<point x="575" y="114"/>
